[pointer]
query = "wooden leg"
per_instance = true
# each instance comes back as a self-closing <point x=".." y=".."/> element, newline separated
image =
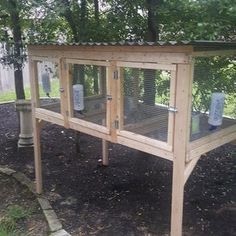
<point x="177" y="198"/>
<point x="105" y="159"/>
<point x="37" y="155"/>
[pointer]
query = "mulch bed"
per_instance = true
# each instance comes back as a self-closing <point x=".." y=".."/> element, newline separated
<point x="132" y="195"/>
<point x="15" y="194"/>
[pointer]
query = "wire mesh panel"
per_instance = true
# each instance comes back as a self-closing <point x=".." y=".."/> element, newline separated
<point x="146" y="95"/>
<point x="213" y="96"/>
<point x="49" y="84"/>
<point x="89" y="92"/>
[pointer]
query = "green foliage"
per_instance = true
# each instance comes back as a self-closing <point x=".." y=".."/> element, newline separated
<point x="214" y="74"/>
<point x="8" y="223"/>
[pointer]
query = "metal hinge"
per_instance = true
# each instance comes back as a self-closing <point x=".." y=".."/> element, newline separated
<point x="172" y="109"/>
<point x="61" y="90"/>
<point x="115" y="74"/>
<point x="116" y="124"/>
<point x="109" y="97"/>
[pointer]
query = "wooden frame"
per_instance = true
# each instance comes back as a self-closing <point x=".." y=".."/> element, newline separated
<point x="178" y="149"/>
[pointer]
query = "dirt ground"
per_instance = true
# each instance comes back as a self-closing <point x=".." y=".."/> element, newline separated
<point x="14" y="194"/>
<point x="132" y="195"/>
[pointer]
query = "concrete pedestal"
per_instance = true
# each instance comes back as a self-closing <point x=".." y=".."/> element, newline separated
<point x="26" y="129"/>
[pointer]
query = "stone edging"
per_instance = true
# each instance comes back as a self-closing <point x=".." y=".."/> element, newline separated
<point x="54" y="224"/>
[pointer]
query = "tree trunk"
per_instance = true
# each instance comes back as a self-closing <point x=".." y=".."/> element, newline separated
<point x="83" y="21"/>
<point x="96" y="11"/>
<point x="95" y="80"/>
<point x="152" y="35"/>
<point x="19" y="84"/>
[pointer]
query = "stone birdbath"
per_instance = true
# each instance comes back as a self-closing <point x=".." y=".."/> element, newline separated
<point x="26" y="130"/>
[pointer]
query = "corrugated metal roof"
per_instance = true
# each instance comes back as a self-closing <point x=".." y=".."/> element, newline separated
<point x="195" y="43"/>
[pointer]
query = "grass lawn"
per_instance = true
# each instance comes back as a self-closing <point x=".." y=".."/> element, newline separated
<point x="11" y="96"/>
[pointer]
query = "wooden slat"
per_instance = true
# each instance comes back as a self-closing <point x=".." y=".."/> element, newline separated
<point x="145" y="140"/>
<point x="120" y="97"/>
<point x="189" y="168"/>
<point x="171" y="115"/>
<point x="34" y="85"/>
<point x="145" y="65"/>
<point x="49" y="116"/>
<point x="63" y="73"/>
<point x="208" y="146"/>
<point x="69" y="82"/>
<point x="145" y="147"/>
<point x="112" y="104"/>
<point x="212" y="137"/>
<point x="87" y="62"/>
<point x="90" y="125"/>
<point x="76" y="125"/>
<point x="148" y="57"/>
<point x="113" y="49"/>
<point x="214" y="53"/>
<point x="45" y="58"/>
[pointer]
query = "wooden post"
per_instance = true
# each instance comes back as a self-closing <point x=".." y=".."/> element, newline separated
<point x="112" y="103"/>
<point x="64" y="89"/>
<point x="181" y="139"/>
<point x="120" y="97"/>
<point x="171" y="115"/>
<point x="36" y="124"/>
<point x="105" y="157"/>
<point x="37" y="155"/>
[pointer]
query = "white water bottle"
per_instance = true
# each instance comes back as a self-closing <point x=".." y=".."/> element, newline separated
<point x="216" y="109"/>
<point x="78" y="97"/>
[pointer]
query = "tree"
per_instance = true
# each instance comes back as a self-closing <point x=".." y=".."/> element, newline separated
<point x="11" y="7"/>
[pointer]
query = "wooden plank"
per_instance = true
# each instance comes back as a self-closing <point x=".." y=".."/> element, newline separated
<point x="114" y="49"/>
<point x="214" y="53"/>
<point x="171" y="115"/>
<point x="145" y="140"/>
<point x="183" y="95"/>
<point x="189" y="168"/>
<point x="112" y="103"/>
<point x="64" y="88"/>
<point x="131" y="56"/>
<point x="145" y="147"/>
<point x="49" y="116"/>
<point x="86" y="124"/>
<point x="212" y="137"/>
<point x="144" y="65"/>
<point x="208" y="146"/>
<point x="87" y="62"/>
<point x="45" y="58"/>
<point x="69" y="82"/>
<point x="76" y="125"/>
<point x="34" y="85"/>
<point x="120" y="97"/>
